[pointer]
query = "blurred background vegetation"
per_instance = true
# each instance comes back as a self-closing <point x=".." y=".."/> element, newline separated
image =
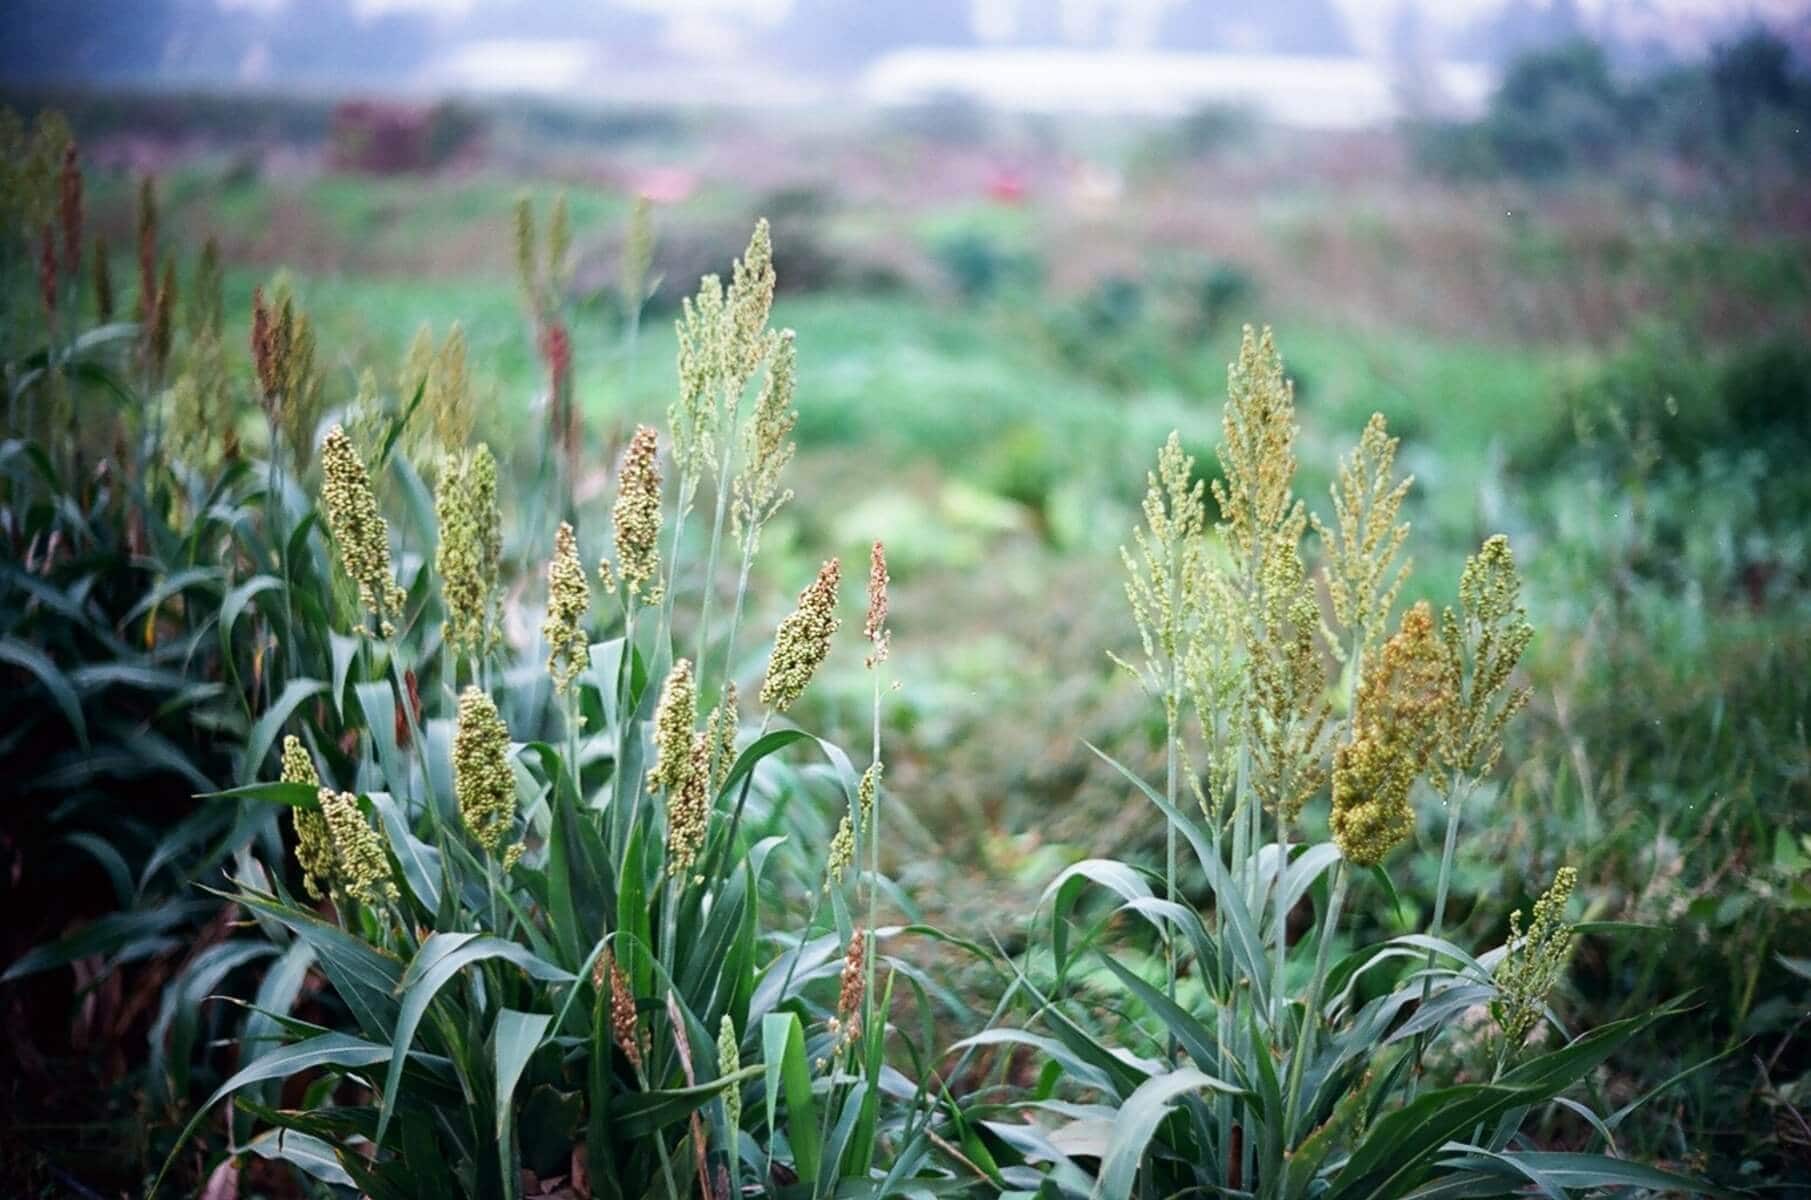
<point x="1586" y="309"/>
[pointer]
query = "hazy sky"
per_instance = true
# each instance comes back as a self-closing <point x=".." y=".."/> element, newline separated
<point x="1368" y="20"/>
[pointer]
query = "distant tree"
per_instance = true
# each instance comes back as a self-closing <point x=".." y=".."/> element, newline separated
<point x="1751" y="75"/>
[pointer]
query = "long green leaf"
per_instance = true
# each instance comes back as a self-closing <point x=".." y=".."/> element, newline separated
<point x="440" y="958"/>
<point x="62" y="692"/>
<point x="329" y="1049"/>
<point x="264" y="733"/>
<point x="1138" y="1119"/>
<point x="783" y="1047"/>
<point x="517" y="1037"/>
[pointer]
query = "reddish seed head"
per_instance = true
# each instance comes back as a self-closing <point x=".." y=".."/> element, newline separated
<point x="47" y="273"/>
<point x="556" y="349"/>
<point x="69" y="209"/>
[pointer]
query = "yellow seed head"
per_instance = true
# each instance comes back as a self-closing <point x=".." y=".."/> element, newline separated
<point x="449" y="393"/>
<point x="675" y="717"/>
<point x="1257" y="451"/>
<point x="866" y="791"/>
<point x="1288" y="710"/>
<point x="527" y="274"/>
<point x="720" y="731"/>
<point x="314" y="845"/>
<point x="729" y="1061"/>
<point x="568" y="598"/>
<point x="298" y="767"/>
<point x="1398" y="710"/>
<point x="559" y="243"/>
<point x="635" y="517"/>
<point x="638" y="255"/>
<point x="803" y="640"/>
<point x="749" y="302"/>
<point x="689" y="810"/>
<point x="693" y="417"/>
<point x="1363" y="546"/>
<point x="470" y="552"/>
<point x="1482" y="644"/>
<point x="482" y="781"/>
<point x="1535" y="960"/>
<point x="1165" y="577"/>
<point x="766" y="445"/>
<point x="361" y="868"/>
<point x="361" y="533"/>
<point x="842" y="853"/>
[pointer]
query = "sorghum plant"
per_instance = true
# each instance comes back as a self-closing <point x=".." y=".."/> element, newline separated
<point x="541" y="919"/>
<point x="1250" y="1060"/>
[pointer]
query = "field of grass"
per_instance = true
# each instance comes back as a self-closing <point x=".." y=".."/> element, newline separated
<point x="984" y="384"/>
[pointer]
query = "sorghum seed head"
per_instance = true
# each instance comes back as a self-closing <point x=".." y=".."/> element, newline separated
<point x="361" y="868"/>
<point x="69" y="209"/>
<point x="298" y="767"/>
<point x="47" y="273"/>
<point x="635" y="517"/>
<point x="749" y="302"/>
<point x="766" y="448"/>
<point x="675" y="717"/>
<point x="1535" y="960"/>
<point x="689" y="811"/>
<point x="1257" y="453"/>
<point x="449" y="393"/>
<point x="692" y="418"/>
<point x="866" y="791"/>
<point x="842" y="853"/>
<point x="1398" y="708"/>
<point x="559" y="242"/>
<point x="163" y="319"/>
<point x="1164" y="573"/>
<point x="1364" y="573"/>
<point x="482" y="780"/>
<point x="527" y="273"/>
<point x="803" y="640"/>
<point x="720" y="732"/>
<point x="729" y="1061"/>
<point x="854" y="987"/>
<point x="623" y="1026"/>
<point x="874" y="627"/>
<point x="1483" y="641"/>
<point x="103" y="282"/>
<point x="314" y="845"/>
<point x="638" y="255"/>
<point x="359" y="530"/>
<point x="568" y="597"/>
<point x="147" y="249"/>
<point x="470" y="551"/>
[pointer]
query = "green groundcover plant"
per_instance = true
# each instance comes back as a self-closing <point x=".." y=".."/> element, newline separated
<point x="555" y="955"/>
<point x="1248" y="1057"/>
<point x="570" y="932"/>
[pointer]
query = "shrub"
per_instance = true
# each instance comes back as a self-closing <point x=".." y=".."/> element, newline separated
<point x="551" y="952"/>
<point x="1246" y="1059"/>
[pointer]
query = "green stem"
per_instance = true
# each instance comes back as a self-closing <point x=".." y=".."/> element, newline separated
<point x="873" y="832"/>
<point x="1282" y="924"/>
<point x="682" y="510"/>
<point x="660" y="1145"/>
<point x="1169" y="850"/>
<point x="625" y="720"/>
<point x="1454" y="803"/>
<point x="1311" y="1015"/>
